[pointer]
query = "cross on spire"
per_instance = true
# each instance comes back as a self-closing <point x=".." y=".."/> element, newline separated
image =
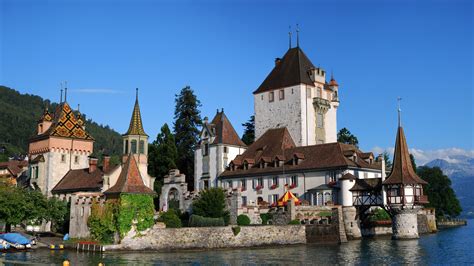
<point x="289" y="35"/>
<point x="297" y="35"/>
<point x="399" y="99"/>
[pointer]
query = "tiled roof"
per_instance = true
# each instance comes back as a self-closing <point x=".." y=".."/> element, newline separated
<point x="277" y="143"/>
<point x="130" y="180"/>
<point x="14" y="167"/>
<point x="136" y="125"/>
<point x="402" y="169"/>
<point x="348" y="176"/>
<point x="80" y="180"/>
<point x="224" y="131"/>
<point x="46" y="116"/>
<point x="367" y="184"/>
<point x="293" y="69"/>
<point x="65" y="125"/>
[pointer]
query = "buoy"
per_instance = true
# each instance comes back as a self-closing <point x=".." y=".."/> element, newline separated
<point x="51" y="246"/>
<point x="66" y="263"/>
<point x="101" y="264"/>
<point x="61" y="246"/>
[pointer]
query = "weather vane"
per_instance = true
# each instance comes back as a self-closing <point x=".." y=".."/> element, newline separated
<point x="399" y="99"/>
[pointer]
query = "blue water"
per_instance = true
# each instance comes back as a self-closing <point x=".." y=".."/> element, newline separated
<point x="448" y="246"/>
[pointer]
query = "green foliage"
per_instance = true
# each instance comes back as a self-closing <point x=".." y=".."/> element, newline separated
<point x="345" y="136"/>
<point x="22" y="112"/>
<point x="162" y="154"/>
<point x="199" y="221"/>
<point x="187" y="120"/>
<point x="135" y="208"/>
<point x="266" y="217"/>
<point x="171" y="219"/>
<point x="249" y="131"/>
<point x="236" y="230"/>
<point x="413" y="162"/>
<point x="294" y="222"/>
<point x="440" y="194"/>
<point x="243" y="220"/>
<point x="211" y="203"/>
<point x="22" y="205"/>
<point x="325" y="214"/>
<point x="388" y="162"/>
<point x="379" y="215"/>
<point x="102" y="222"/>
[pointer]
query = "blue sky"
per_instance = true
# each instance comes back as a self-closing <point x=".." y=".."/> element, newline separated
<point x="421" y="51"/>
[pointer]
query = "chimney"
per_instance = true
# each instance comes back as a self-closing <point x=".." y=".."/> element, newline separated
<point x="92" y="164"/>
<point x="277" y="61"/>
<point x="106" y="163"/>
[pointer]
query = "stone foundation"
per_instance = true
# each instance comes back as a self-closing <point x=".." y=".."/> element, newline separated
<point x="405" y="223"/>
<point x="351" y="224"/>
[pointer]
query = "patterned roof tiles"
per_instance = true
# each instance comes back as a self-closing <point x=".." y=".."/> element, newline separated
<point x="136" y="125"/>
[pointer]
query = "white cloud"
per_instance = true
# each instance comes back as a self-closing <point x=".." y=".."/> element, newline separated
<point x="425" y="156"/>
<point x="101" y="91"/>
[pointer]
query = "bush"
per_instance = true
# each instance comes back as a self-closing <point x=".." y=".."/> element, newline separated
<point x="236" y="230"/>
<point x="171" y="219"/>
<point x="243" y="220"/>
<point x="294" y="222"/>
<point x="379" y="215"/>
<point x="266" y="217"/>
<point x="101" y="222"/>
<point x="211" y="203"/>
<point x="199" y="221"/>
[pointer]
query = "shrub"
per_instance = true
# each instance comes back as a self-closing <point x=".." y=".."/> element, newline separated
<point x="101" y="223"/>
<point x="294" y="222"/>
<point x="266" y="217"/>
<point x="199" y="221"/>
<point x="236" y="230"/>
<point x="171" y="219"/>
<point x="136" y="207"/>
<point x="243" y="220"/>
<point x="379" y="215"/>
<point x="211" y="203"/>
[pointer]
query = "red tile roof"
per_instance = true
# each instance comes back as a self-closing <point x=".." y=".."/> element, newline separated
<point x="224" y="131"/>
<point x="14" y="167"/>
<point x="130" y="180"/>
<point x="402" y="169"/>
<point x="80" y="180"/>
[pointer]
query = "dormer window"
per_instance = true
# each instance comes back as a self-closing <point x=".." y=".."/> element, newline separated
<point x="246" y="166"/>
<point x="206" y="149"/>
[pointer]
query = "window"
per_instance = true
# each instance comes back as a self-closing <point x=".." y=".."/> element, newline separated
<point x="206" y="149"/>
<point x="142" y="147"/>
<point x="36" y="172"/>
<point x="126" y="147"/>
<point x="225" y="149"/>
<point x="262" y="97"/>
<point x="134" y="146"/>
<point x="366" y="175"/>
<point x="308" y="93"/>
<point x="244" y="201"/>
<point x="76" y="159"/>
<point x="319" y="92"/>
<point x="275" y="181"/>
<point x="281" y="94"/>
<point x="63" y="158"/>
<point x="260" y="182"/>
<point x="271" y="96"/>
<point x="274" y="198"/>
<point x="206" y="184"/>
<point x="257" y="183"/>
<point x="332" y="176"/>
<point x="320" y="120"/>
<point x="243" y="184"/>
<point x="229" y="184"/>
<point x="293" y="181"/>
<point x="82" y="211"/>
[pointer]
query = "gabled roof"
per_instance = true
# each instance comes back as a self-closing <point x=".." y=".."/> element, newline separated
<point x="46" y="116"/>
<point x="136" y="125"/>
<point x="367" y="184"/>
<point x="130" y="180"/>
<point x="293" y="69"/>
<point x="402" y="169"/>
<point x="14" y="167"/>
<point x="80" y="180"/>
<point x="224" y="131"/>
<point x="65" y="124"/>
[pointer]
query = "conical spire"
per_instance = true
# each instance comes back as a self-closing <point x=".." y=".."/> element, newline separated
<point x="136" y="126"/>
<point x="402" y="170"/>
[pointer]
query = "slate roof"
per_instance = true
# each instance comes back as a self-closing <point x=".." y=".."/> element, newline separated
<point x="293" y="69"/>
<point x="277" y="143"/>
<point x="130" y="180"/>
<point x="64" y="124"/>
<point x="367" y="184"/>
<point x="136" y="125"/>
<point x="224" y="131"/>
<point x="402" y="170"/>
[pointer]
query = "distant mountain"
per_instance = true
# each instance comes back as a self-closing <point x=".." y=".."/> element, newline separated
<point x="19" y="114"/>
<point x="460" y="170"/>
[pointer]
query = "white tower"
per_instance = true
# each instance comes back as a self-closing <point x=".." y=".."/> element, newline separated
<point x="296" y="95"/>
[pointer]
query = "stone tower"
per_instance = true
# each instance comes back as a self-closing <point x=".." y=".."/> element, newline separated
<point x="404" y="189"/>
<point x="296" y="95"/>
<point x="61" y="144"/>
<point x="135" y="142"/>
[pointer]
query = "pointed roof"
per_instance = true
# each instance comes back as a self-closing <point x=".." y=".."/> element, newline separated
<point x="292" y="69"/>
<point x="283" y="200"/>
<point x="224" y="131"/>
<point x="402" y="169"/>
<point x="65" y="124"/>
<point x="130" y="180"/>
<point x="46" y="116"/>
<point x="136" y="125"/>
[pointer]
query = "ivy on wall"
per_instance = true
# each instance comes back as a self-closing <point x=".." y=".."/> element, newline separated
<point x="101" y="223"/>
<point x="134" y="208"/>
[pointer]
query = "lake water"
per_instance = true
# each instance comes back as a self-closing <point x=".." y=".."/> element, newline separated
<point x="449" y="246"/>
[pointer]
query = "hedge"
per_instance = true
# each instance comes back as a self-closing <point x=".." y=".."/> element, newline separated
<point x="266" y="217"/>
<point x="294" y="222"/>
<point x="243" y="220"/>
<point x="199" y="221"/>
<point x="171" y="219"/>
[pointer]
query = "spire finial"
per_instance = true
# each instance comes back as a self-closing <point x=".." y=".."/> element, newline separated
<point x="399" y="99"/>
<point x="332" y="74"/>
<point x="65" y="91"/>
<point x="78" y="107"/>
<point x="289" y="36"/>
<point x="136" y="96"/>
<point x="297" y="35"/>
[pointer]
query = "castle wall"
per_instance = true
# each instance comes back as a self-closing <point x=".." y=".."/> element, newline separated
<point x="405" y="223"/>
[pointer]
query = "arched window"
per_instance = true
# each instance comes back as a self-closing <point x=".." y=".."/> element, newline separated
<point x="125" y="145"/>
<point x="142" y="147"/>
<point x="134" y="146"/>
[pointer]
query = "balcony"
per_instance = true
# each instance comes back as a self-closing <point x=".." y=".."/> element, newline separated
<point x="422" y="199"/>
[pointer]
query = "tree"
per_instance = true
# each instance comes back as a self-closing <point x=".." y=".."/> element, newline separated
<point x="413" y="163"/>
<point x="345" y="136"/>
<point x="211" y="203"/>
<point x="388" y="162"/>
<point x="440" y="194"/>
<point x="249" y="131"/>
<point x="187" y="120"/>
<point x="162" y="154"/>
<point x="13" y="206"/>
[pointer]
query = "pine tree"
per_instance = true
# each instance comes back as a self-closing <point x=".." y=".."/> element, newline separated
<point x="162" y="153"/>
<point x="187" y="120"/>
<point x="345" y="136"/>
<point x="388" y="162"/>
<point x="249" y="132"/>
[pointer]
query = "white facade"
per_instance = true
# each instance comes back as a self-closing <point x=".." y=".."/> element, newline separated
<point x="299" y="108"/>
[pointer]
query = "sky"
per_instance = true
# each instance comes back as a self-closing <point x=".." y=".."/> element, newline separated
<point x="421" y="51"/>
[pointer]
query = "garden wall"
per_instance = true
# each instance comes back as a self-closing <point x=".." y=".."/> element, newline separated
<point x="212" y="237"/>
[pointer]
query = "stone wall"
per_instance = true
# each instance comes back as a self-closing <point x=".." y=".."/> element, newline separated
<point x="375" y="231"/>
<point x="211" y="237"/>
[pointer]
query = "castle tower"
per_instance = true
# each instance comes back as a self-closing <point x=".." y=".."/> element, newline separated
<point x="61" y="144"/>
<point x="404" y="190"/>
<point x="135" y="142"/>
<point x="219" y="144"/>
<point x="296" y="95"/>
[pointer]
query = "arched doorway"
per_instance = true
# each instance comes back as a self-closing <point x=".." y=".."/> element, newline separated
<point x="173" y="199"/>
